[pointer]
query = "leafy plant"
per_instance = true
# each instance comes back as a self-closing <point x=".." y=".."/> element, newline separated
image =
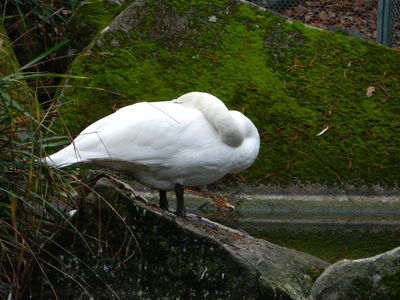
<point x="35" y="200"/>
<point x="47" y="16"/>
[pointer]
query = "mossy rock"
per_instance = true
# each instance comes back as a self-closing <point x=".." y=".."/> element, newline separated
<point x="89" y="18"/>
<point x="143" y="252"/>
<point x="376" y="277"/>
<point x="293" y="81"/>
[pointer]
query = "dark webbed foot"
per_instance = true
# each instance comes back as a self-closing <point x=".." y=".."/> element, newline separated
<point x="180" y="205"/>
<point x="163" y="200"/>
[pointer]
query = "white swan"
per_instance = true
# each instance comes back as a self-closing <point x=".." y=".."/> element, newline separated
<point x="190" y="141"/>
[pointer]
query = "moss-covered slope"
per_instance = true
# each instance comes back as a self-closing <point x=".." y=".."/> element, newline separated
<point x="291" y="80"/>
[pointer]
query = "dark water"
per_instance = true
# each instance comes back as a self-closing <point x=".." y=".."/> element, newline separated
<point x="331" y="230"/>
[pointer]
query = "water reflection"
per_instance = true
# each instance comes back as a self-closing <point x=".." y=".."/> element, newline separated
<point x="331" y="230"/>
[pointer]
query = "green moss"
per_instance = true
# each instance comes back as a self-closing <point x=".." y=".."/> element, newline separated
<point x="314" y="273"/>
<point x="393" y="283"/>
<point x="291" y="80"/>
<point x="362" y="289"/>
<point x="89" y="18"/>
<point x="387" y="289"/>
<point x="98" y="12"/>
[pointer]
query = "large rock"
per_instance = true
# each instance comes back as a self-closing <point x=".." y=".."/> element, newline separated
<point x="377" y="277"/>
<point x="291" y="80"/>
<point x="86" y="21"/>
<point x="139" y="249"/>
<point x="89" y="18"/>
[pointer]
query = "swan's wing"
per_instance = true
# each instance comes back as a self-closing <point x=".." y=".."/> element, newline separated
<point x="143" y="133"/>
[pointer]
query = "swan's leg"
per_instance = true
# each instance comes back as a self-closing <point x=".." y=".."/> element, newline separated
<point x="180" y="205"/>
<point x="163" y="200"/>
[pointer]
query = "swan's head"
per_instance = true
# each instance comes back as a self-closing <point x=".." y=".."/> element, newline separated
<point x="198" y="99"/>
<point x="217" y="114"/>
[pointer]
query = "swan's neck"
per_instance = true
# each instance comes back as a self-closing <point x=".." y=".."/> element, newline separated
<point x="217" y="115"/>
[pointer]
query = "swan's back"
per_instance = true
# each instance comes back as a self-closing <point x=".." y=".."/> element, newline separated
<point x="136" y="132"/>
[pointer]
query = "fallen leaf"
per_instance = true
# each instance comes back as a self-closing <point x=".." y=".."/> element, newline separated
<point x="323" y="15"/>
<point x="216" y="201"/>
<point x="370" y="91"/>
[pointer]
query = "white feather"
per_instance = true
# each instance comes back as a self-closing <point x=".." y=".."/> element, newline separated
<point x="324" y="130"/>
<point x="163" y="143"/>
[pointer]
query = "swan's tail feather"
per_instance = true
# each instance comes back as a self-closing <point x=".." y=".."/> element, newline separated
<point x="63" y="158"/>
<point x="52" y="163"/>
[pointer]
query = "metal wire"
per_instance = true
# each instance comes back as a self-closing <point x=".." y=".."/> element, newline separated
<point x="355" y="17"/>
<point x="395" y="26"/>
